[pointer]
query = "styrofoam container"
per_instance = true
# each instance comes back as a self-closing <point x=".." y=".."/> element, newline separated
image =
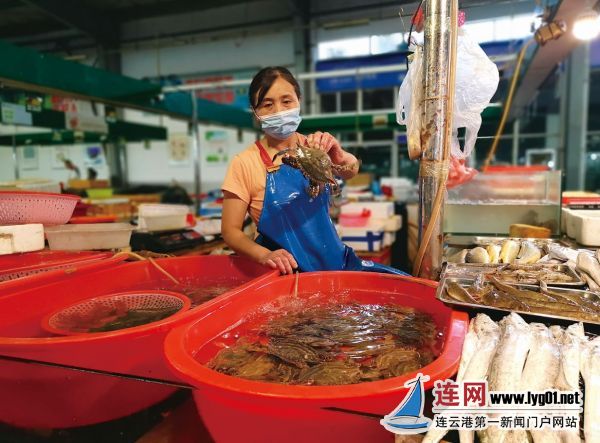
<point x="378" y="209"/>
<point x="572" y="222"/>
<point x="392" y="224"/>
<point x="33" y="185"/>
<point x="368" y="238"/>
<point x="586" y="226"/>
<point x="88" y="237"/>
<point x="563" y="219"/>
<point x="388" y="238"/>
<point x="162" y="217"/>
<point x="21" y="238"/>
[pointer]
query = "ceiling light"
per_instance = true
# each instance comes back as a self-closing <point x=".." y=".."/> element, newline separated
<point x="587" y="25"/>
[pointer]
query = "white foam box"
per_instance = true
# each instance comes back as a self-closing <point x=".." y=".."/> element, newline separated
<point x="586" y="226"/>
<point x="388" y="238"/>
<point x="572" y="221"/>
<point x="378" y="209"/>
<point x="21" y="238"/>
<point x="366" y="239"/>
<point x="393" y="223"/>
<point x="564" y="215"/>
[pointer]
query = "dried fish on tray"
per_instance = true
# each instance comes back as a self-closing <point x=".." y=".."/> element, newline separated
<point x="551" y="274"/>
<point x="559" y="303"/>
<point x="539" y="242"/>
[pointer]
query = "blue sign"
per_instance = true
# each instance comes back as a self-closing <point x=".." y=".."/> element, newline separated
<point x="390" y="79"/>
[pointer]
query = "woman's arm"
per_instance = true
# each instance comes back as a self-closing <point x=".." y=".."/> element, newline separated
<point x="234" y="212"/>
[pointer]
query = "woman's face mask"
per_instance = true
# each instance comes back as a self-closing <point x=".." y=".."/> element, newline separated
<point x="281" y="125"/>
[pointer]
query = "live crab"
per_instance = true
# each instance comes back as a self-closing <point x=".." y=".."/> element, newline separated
<point x="315" y="165"/>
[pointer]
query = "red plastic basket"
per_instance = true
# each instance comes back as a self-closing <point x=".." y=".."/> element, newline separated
<point x="276" y="412"/>
<point x="80" y="317"/>
<point x="39" y="396"/>
<point x="17" y="266"/>
<point x="17" y="208"/>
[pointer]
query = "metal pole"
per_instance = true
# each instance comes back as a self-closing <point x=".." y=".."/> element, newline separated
<point x="16" y="158"/>
<point x="439" y="71"/>
<point x="515" y="141"/>
<point x="196" y="151"/>
<point x="354" y="72"/>
<point x="394" y="151"/>
<point x="578" y="83"/>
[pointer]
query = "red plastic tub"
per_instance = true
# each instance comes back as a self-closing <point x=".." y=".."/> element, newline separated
<point x="37" y="268"/>
<point x="235" y="409"/>
<point x="43" y="397"/>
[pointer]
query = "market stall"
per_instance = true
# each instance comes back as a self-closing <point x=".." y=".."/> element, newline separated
<point x="119" y="302"/>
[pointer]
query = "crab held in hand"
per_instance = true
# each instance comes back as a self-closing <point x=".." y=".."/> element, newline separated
<point x="315" y="165"/>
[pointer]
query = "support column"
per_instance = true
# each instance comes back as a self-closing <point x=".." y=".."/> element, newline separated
<point x="576" y="118"/>
<point x="515" y="141"/>
<point x="439" y="71"/>
<point x="194" y="132"/>
<point x="394" y="154"/>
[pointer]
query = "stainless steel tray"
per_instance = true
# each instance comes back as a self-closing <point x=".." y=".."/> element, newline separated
<point x="442" y="295"/>
<point x="471" y="270"/>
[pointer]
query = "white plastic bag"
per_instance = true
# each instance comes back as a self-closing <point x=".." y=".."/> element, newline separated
<point x="476" y="82"/>
<point x="410" y="102"/>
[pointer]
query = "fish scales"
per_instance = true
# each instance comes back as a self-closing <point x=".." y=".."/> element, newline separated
<point x="590" y="369"/>
<point x="507" y="365"/>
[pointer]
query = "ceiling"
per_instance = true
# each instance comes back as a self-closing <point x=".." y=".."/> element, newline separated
<point x="102" y="20"/>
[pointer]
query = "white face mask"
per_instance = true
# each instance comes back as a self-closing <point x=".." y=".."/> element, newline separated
<point x="281" y="124"/>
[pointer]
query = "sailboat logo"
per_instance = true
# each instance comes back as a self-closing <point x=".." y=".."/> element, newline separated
<point x="408" y="417"/>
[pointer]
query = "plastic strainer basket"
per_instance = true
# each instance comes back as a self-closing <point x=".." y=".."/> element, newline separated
<point x="94" y="314"/>
<point x="17" y="208"/>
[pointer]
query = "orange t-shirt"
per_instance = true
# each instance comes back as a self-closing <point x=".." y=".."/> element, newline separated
<point x="246" y="177"/>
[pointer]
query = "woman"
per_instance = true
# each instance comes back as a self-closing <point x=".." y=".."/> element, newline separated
<point x="295" y="229"/>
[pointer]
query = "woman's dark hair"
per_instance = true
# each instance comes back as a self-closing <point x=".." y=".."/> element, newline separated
<point x="263" y="80"/>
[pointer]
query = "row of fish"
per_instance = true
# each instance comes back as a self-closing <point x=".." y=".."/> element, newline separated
<point x="516" y="356"/>
<point x="509" y="251"/>
<point x="552" y="274"/>
<point x="487" y="290"/>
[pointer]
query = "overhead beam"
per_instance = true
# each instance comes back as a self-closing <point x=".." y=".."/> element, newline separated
<point x="546" y="58"/>
<point x="94" y="23"/>
<point x="47" y="74"/>
<point x="159" y="9"/>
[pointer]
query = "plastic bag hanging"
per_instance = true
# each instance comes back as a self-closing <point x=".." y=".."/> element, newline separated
<point x="409" y="107"/>
<point x="476" y="82"/>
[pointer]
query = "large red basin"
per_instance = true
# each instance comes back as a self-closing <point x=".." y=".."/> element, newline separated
<point x="39" y="396"/>
<point x="235" y="409"/>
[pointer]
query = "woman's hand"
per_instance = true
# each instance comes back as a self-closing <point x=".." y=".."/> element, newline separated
<point x="328" y="144"/>
<point x="279" y="259"/>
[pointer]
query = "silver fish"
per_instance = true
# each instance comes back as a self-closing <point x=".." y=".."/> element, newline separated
<point x="434" y="435"/>
<point x="590" y="369"/>
<point x="477" y="255"/>
<point x="459" y="257"/>
<point x="540" y="372"/>
<point x="494" y="252"/>
<point x="488" y="334"/>
<point x="528" y="254"/>
<point x="589" y="265"/>
<point x="561" y="252"/>
<point x="570" y="342"/>
<point x="590" y="281"/>
<point x="509" y="251"/>
<point x="507" y="364"/>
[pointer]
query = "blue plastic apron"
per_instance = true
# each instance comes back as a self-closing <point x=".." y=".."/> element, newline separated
<point x="300" y="224"/>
